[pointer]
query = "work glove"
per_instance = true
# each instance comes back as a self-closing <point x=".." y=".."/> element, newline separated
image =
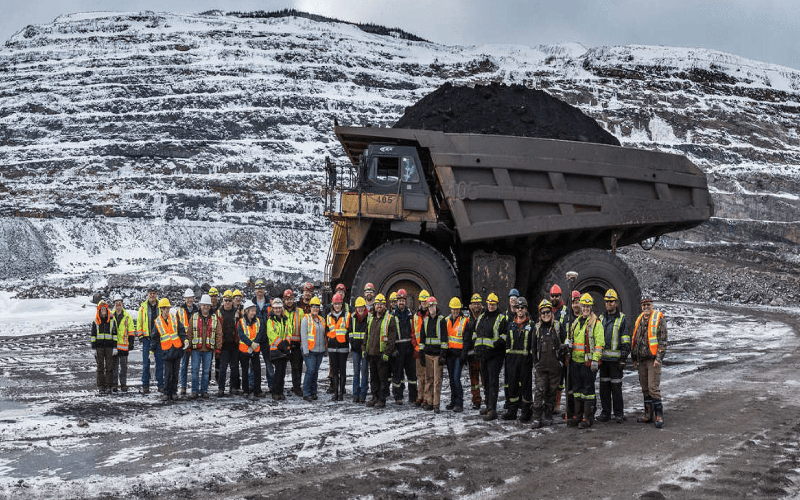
<point x="568" y="343"/>
<point x="114" y="352"/>
<point x="594" y="366"/>
<point x="250" y="349"/>
<point x="385" y="358"/>
<point x="283" y="346"/>
<point x="422" y="359"/>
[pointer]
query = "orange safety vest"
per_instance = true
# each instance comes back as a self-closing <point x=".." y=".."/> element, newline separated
<point x="455" y="332"/>
<point x="419" y="320"/>
<point x="251" y="330"/>
<point x="652" y="330"/>
<point x="168" y="332"/>
<point x="338" y="327"/>
<point x="312" y="332"/>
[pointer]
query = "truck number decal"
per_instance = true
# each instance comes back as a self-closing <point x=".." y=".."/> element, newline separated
<point x="463" y="191"/>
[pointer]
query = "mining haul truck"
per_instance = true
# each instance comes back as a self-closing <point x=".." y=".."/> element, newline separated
<point x="462" y="213"/>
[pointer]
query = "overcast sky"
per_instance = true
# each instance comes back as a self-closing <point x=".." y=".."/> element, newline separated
<point x="765" y="30"/>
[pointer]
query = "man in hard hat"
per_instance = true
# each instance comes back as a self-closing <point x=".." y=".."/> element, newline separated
<point x="185" y="313"/>
<point x="250" y="331"/>
<point x="263" y="311"/>
<point x="171" y="340"/>
<point x="145" y="328"/>
<point x="305" y="301"/>
<point x="104" y="343"/>
<point x="238" y="296"/>
<point x="123" y="328"/>
<point x="379" y="342"/>
<point x="294" y="317"/>
<point x="615" y="353"/>
<point x="358" y="329"/>
<point x="392" y="301"/>
<point x="404" y="363"/>
<point x="342" y="290"/>
<point x="586" y="340"/>
<point x="338" y="326"/>
<point x="229" y="348"/>
<point x="456" y="355"/>
<point x="369" y="295"/>
<point x="204" y="335"/>
<point x="279" y="335"/>
<point x="519" y="362"/>
<point x="548" y="351"/>
<point x="433" y="345"/>
<point x="312" y="341"/>
<point x="572" y="315"/>
<point x="473" y="362"/>
<point x="489" y="338"/>
<point x="513" y="296"/>
<point x="419" y="319"/>
<point x="560" y="309"/>
<point x="648" y="348"/>
<point x="213" y="293"/>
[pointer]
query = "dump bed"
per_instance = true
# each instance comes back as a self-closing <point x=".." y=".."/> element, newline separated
<point x="511" y="187"/>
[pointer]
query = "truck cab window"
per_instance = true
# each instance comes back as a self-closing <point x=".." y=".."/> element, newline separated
<point x="384" y="171"/>
<point x="408" y="169"/>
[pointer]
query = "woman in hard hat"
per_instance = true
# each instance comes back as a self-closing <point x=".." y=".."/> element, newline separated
<point x="251" y="333"/>
<point x="185" y="313"/>
<point x="338" y="325"/>
<point x="456" y="354"/>
<point x="104" y="344"/>
<point x="123" y="328"/>
<point x="358" y="329"/>
<point x="586" y="340"/>
<point x="312" y="341"/>
<point x="171" y="339"/>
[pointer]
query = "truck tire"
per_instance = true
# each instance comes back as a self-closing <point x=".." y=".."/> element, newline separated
<point x="598" y="270"/>
<point x="410" y="264"/>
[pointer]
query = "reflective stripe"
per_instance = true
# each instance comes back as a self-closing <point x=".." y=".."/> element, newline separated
<point x="613" y="350"/>
<point x="517" y="351"/>
<point x="357" y="335"/>
<point x="652" y="330"/>
<point x="204" y="338"/>
<point x="102" y="335"/>
<point x="123" y="330"/>
<point x="251" y="331"/>
<point x="486" y="341"/>
<point x="311" y="334"/>
<point x="337" y="327"/>
<point x="455" y="332"/>
<point x="168" y="332"/>
<point x="294" y="318"/>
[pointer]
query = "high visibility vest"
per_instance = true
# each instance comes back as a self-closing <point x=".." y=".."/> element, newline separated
<point x="561" y="315"/>
<point x="587" y="345"/>
<point x="455" y="332"/>
<point x="204" y="337"/>
<point x="337" y="327"/>
<point x="143" y="320"/>
<point x="355" y="335"/>
<point x="98" y="334"/>
<point x="311" y="334"/>
<point x="436" y="340"/>
<point x="652" y="330"/>
<point x="613" y="351"/>
<point x="419" y="319"/>
<point x="293" y="319"/>
<point x="526" y="326"/>
<point x="184" y="317"/>
<point x="169" y="332"/>
<point x="251" y="331"/>
<point x="384" y="328"/>
<point x="277" y="332"/>
<point x="123" y="330"/>
<point x="488" y="341"/>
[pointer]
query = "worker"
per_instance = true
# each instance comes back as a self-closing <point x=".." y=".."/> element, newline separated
<point x="404" y="364"/>
<point x="123" y="328"/>
<point x="332" y="385"/>
<point x="213" y="293"/>
<point x="338" y="325"/>
<point x="263" y="311"/>
<point x="560" y="309"/>
<point x="204" y="335"/>
<point x="279" y="334"/>
<point x="456" y="355"/>
<point x="312" y="340"/>
<point x="145" y="321"/>
<point x="433" y="346"/>
<point x="548" y="352"/>
<point x="229" y="349"/>
<point x="238" y="296"/>
<point x="358" y="328"/>
<point x="305" y="301"/>
<point x="510" y="314"/>
<point x="341" y="289"/>
<point x="392" y="301"/>
<point x="489" y="338"/>
<point x="519" y="362"/>
<point x="473" y="362"/>
<point x="586" y="340"/>
<point x="171" y="341"/>
<point x="648" y="347"/>
<point x="185" y="313"/>
<point x="261" y="301"/>
<point x="251" y="333"/>
<point x="369" y="295"/>
<point x="379" y="342"/>
<point x="573" y="313"/>
<point x="419" y="319"/>
<point x="615" y="353"/>
<point x="294" y="316"/>
<point x="104" y="344"/>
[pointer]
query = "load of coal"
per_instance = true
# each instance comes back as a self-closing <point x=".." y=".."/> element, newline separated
<point x="499" y="109"/>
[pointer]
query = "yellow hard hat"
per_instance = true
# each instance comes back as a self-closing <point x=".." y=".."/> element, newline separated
<point x="476" y="298"/>
<point x="380" y="299"/>
<point x="213" y="292"/>
<point x="423" y="295"/>
<point x="237" y="293"/>
<point x="587" y="300"/>
<point x="164" y="303"/>
<point x="393" y="296"/>
<point x="314" y="301"/>
<point x="360" y="302"/>
<point x="455" y="303"/>
<point x="611" y="295"/>
<point x="492" y="298"/>
<point x="227" y="294"/>
<point x="545" y="303"/>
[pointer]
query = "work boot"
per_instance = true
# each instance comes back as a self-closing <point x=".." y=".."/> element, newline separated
<point x="436" y="410"/>
<point x="331" y="390"/>
<point x="418" y="403"/>
<point x="484" y="411"/>
<point x="537" y="424"/>
<point x="220" y="393"/>
<point x="588" y="415"/>
<point x="577" y="414"/>
<point x="557" y="405"/>
<point x="648" y="412"/>
<point x="297" y="392"/>
<point x="183" y="391"/>
<point x="355" y="399"/>
<point x="124" y="388"/>
<point x="604" y="417"/>
<point x="658" y="409"/>
<point x="161" y="390"/>
<point x="371" y="402"/>
<point x="165" y="397"/>
<point x="450" y="406"/>
<point x="145" y="390"/>
<point x="398" y="402"/>
<point x="427" y="407"/>
<point x="619" y="418"/>
<point x="335" y="397"/>
<point x="193" y="396"/>
<point x="308" y="398"/>
<point x="205" y="395"/>
<point x="511" y="413"/>
<point x="458" y="409"/>
<point x="476" y="406"/>
<point x="380" y="404"/>
<point x="490" y="415"/>
<point x="526" y="414"/>
<point x="548" y="415"/>
<point x="115" y="389"/>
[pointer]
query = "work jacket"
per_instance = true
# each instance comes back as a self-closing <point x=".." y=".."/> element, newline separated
<point x="102" y="334"/>
<point x="433" y="336"/>
<point x="649" y="337"/>
<point x="146" y="319"/>
<point x="489" y="334"/>
<point x="124" y="330"/>
<point x="381" y="335"/>
<point x="455" y="334"/>
<point x="170" y="336"/>
<point x="250" y="333"/>
<point x="358" y="331"/>
<point x="617" y="338"/>
<point x="588" y="339"/>
<point x="204" y="333"/>
<point x="279" y="336"/>
<point x="520" y="337"/>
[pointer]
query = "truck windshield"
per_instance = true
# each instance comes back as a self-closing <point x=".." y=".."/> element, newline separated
<point x="384" y="171"/>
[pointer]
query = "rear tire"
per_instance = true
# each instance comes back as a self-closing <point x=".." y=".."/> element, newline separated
<point x="598" y="270"/>
<point x="410" y="264"/>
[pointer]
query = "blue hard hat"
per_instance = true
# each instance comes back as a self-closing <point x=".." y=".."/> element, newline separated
<point x="513" y="292"/>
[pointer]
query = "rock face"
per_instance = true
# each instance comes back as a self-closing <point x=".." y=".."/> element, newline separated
<point x="189" y="148"/>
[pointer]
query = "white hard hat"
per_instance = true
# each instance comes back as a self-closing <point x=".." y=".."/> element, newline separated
<point x="118" y="297"/>
<point x="205" y="300"/>
<point x="188" y="293"/>
<point x="248" y="304"/>
<point x="276" y="302"/>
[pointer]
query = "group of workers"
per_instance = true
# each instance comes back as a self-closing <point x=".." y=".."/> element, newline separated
<point x="393" y="347"/>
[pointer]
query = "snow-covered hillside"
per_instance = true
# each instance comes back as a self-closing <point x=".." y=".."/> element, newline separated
<point x="189" y="148"/>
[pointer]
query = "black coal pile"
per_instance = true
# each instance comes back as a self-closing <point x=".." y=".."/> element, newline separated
<point x="502" y="110"/>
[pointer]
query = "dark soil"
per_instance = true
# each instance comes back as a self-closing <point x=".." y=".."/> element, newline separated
<point x="503" y="110"/>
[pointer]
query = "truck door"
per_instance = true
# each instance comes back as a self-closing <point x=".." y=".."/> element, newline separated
<point x="412" y="185"/>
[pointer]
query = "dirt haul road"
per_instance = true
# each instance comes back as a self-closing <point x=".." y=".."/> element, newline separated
<point x="730" y="390"/>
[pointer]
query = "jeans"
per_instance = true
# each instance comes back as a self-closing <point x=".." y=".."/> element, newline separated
<point x="454" y="366"/>
<point x="270" y="370"/>
<point x="229" y="357"/>
<point x="146" y="364"/>
<point x="312" y="360"/>
<point x="360" y="375"/>
<point x="202" y="379"/>
<point x="185" y="368"/>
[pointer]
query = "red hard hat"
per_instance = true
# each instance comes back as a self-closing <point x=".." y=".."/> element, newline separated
<point x="402" y="294"/>
<point x="431" y="301"/>
<point x="555" y="290"/>
<point x="288" y="293"/>
<point x="369" y="286"/>
<point x="341" y="287"/>
<point x="576" y="294"/>
<point x="338" y="299"/>
<point x="308" y="286"/>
